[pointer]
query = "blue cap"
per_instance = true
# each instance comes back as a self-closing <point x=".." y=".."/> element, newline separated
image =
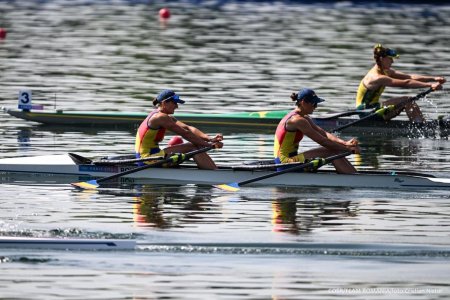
<point x="380" y="51"/>
<point x="391" y="53"/>
<point x="309" y="96"/>
<point x="169" y="95"/>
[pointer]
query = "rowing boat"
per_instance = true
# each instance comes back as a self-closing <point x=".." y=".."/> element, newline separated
<point x="267" y="119"/>
<point x="242" y="121"/>
<point x="65" y="164"/>
<point x="66" y="244"/>
<point x="364" y="249"/>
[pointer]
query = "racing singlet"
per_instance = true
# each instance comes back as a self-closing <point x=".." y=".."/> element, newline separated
<point x="147" y="139"/>
<point x="286" y="142"/>
<point x="366" y="98"/>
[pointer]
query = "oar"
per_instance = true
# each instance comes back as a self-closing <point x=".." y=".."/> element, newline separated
<point x="345" y="114"/>
<point x="316" y="163"/>
<point x="175" y="159"/>
<point x="381" y="112"/>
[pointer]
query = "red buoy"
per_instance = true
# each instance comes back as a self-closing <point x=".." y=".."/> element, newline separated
<point x="164" y="13"/>
<point x="2" y="33"/>
<point x="176" y="140"/>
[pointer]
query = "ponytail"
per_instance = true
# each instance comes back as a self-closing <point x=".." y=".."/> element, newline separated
<point x="378" y="53"/>
<point x="294" y="97"/>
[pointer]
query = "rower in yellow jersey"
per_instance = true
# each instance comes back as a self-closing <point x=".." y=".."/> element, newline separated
<point x="297" y="123"/>
<point x="152" y="130"/>
<point x="382" y="75"/>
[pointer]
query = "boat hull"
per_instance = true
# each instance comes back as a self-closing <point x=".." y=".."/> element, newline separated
<point x="246" y="121"/>
<point x="131" y="119"/>
<point x="64" y="165"/>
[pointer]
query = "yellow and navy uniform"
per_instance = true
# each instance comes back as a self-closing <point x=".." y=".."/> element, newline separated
<point x="366" y="98"/>
<point x="285" y="148"/>
<point x="148" y="139"/>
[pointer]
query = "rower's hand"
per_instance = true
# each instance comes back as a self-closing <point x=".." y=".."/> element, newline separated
<point x="352" y="142"/>
<point x="217" y="138"/>
<point x="218" y="145"/>
<point x="436" y="86"/>
<point x="441" y="80"/>
<point x="355" y="149"/>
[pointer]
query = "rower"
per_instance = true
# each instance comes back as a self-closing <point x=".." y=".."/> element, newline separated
<point x="381" y="75"/>
<point x="152" y="130"/>
<point x="297" y="123"/>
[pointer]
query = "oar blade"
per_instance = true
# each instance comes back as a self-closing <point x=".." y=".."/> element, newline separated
<point x="86" y="185"/>
<point x="229" y="187"/>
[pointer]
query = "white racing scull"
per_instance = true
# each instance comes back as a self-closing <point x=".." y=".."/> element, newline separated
<point x="65" y="165"/>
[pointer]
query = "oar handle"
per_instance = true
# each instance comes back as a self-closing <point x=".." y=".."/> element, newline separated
<point x="312" y="163"/>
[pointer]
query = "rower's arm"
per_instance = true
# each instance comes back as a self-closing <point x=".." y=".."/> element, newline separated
<point x="406" y="83"/>
<point x="197" y="132"/>
<point x="320" y="136"/>
<point x="416" y="77"/>
<point x="324" y="133"/>
<point x="217" y="138"/>
<point x="183" y="130"/>
<point x="423" y="78"/>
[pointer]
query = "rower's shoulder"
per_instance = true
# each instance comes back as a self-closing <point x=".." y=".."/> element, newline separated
<point x="161" y="115"/>
<point x="300" y="120"/>
<point x="161" y="119"/>
<point x="374" y="80"/>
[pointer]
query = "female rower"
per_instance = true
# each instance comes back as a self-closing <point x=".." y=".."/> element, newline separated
<point x="151" y="132"/>
<point x="297" y="123"/>
<point x="382" y="75"/>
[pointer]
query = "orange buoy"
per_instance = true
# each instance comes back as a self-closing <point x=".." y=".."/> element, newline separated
<point x="176" y="140"/>
<point x="2" y="33"/>
<point x="164" y="13"/>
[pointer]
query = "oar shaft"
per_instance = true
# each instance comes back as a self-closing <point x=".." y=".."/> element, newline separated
<point x="299" y="167"/>
<point x="359" y="120"/>
<point x="345" y="113"/>
<point x="421" y="95"/>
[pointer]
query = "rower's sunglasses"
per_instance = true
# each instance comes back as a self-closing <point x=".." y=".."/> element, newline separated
<point x="313" y="104"/>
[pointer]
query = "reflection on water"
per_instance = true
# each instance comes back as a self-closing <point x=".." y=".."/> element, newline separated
<point x="177" y="207"/>
<point x="170" y="207"/>
<point x="289" y="215"/>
